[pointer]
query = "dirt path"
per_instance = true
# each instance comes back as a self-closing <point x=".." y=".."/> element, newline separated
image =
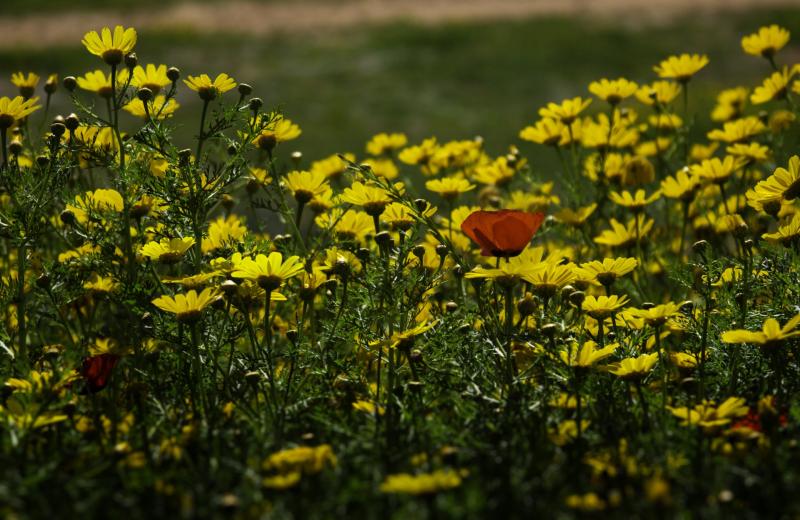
<point x="259" y="19"/>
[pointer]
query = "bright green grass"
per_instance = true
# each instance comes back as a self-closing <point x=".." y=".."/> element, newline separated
<point x="453" y="81"/>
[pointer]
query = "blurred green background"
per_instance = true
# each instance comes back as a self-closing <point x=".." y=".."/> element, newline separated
<point x="452" y="80"/>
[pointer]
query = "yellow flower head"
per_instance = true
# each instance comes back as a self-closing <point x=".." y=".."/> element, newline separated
<point x="372" y="198"/>
<point x="586" y="355"/>
<point x="635" y="368"/>
<point x="635" y="202"/>
<point x="269" y="272"/>
<point x="716" y="170"/>
<point x="25" y="83"/>
<point x="209" y="89"/>
<point x="151" y="77"/>
<point x="167" y="251"/>
<point x="681" y="186"/>
<point x="658" y="92"/>
<point x="306" y="185"/>
<point x="609" y="269"/>
<point x="547" y="131"/>
<point x="613" y="91"/>
<point x="601" y="307"/>
<point x="567" y="111"/>
<point x="771" y="334"/>
<point x="189" y="306"/>
<point x="112" y="47"/>
<point x="421" y="484"/>
<point x="773" y="87"/>
<point x="449" y="188"/>
<point x="14" y="110"/>
<point x="766" y="42"/>
<point x="159" y="108"/>
<point x="277" y="130"/>
<point x="385" y="144"/>
<point x="681" y="68"/>
<point x="738" y="130"/>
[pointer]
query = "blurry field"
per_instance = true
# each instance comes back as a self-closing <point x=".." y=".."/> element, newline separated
<point x="456" y="80"/>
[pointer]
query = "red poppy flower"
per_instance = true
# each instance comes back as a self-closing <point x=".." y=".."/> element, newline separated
<point x="96" y="371"/>
<point x="503" y="233"/>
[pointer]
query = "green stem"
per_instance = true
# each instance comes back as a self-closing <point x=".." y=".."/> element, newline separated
<point x="21" y="303"/>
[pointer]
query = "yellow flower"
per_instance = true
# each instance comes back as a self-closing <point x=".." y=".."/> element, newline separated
<point x="567" y="111"/>
<point x="587" y="354"/>
<point x="546" y="131"/>
<point x="385" y="144"/>
<point x="785" y="182"/>
<point x="269" y="272"/>
<point x="546" y="282"/>
<point x="159" y="108"/>
<point x="624" y="235"/>
<point x="577" y="216"/>
<point x="189" y="306"/>
<point x="15" y="110"/>
<point x="25" y="83"/>
<point x="277" y="130"/>
<point x="449" y="188"/>
<point x="332" y="167"/>
<point x="635" y="202"/>
<point x="738" y="130"/>
<point x="607" y="271"/>
<point x="730" y="103"/>
<point x="657" y="315"/>
<point x="635" y="368"/>
<point x="99" y="284"/>
<point x="601" y="307"/>
<point x="96" y="81"/>
<point x="771" y="334"/>
<point x="660" y="92"/>
<point x="112" y="48"/>
<point x="496" y="173"/>
<point x="305" y="185"/>
<point x="399" y="216"/>
<point x="716" y="170"/>
<point x="751" y="152"/>
<point x="772" y="88"/>
<point x="710" y="417"/>
<point x="341" y="262"/>
<point x="167" y="251"/>
<point x="420" y="154"/>
<point x="209" y="89"/>
<point x="786" y="233"/>
<point x="507" y="273"/>
<point x="306" y="460"/>
<point x="681" y="68"/>
<point x="681" y="186"/>
<point x="372" y="198"/>
<point x="150" y="77"/>
<point x="613" y="91"/>
<point x="766" y="42"/>
<point x="224" y="232"/>
<point x="421" y="484"/>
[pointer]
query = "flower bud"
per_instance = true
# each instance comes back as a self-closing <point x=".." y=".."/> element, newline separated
<point x="384" y="239"/>
<point x="144" y="94"/>
<point x="363" y="254"/>
<point x="297" y="156"/>
<point x="51" y="85"/>
<point x="228" y="202"/>
<point x="421" y="204"/>
<point x="577" y="298"/>
<point x="15" y="147"/>
<point x="245" y="89"/>
<point x="131" y="60"/>
<point x="700" y="247"/>
<point x="173" y="74"/>
<point x="291" y="335"/>
<point x="451" y="307"/>
<point x="441" y="250"/>
<point x="67" y="217"/>
<point x="228" y="287"/>
<point x="58" y="128"/>
<point x="72" y="122"/>
<point x="70" y="83"/>
<point x="419" y="252"/>
<point x="255" y="104"/>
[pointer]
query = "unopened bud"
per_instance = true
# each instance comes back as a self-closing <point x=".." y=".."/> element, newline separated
<point x="245" y="89"/>
<point x="70" y="83"/>
<point x="173" y="74"/>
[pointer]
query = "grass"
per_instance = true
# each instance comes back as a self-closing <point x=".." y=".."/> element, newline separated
<point x="453" y="81"/>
